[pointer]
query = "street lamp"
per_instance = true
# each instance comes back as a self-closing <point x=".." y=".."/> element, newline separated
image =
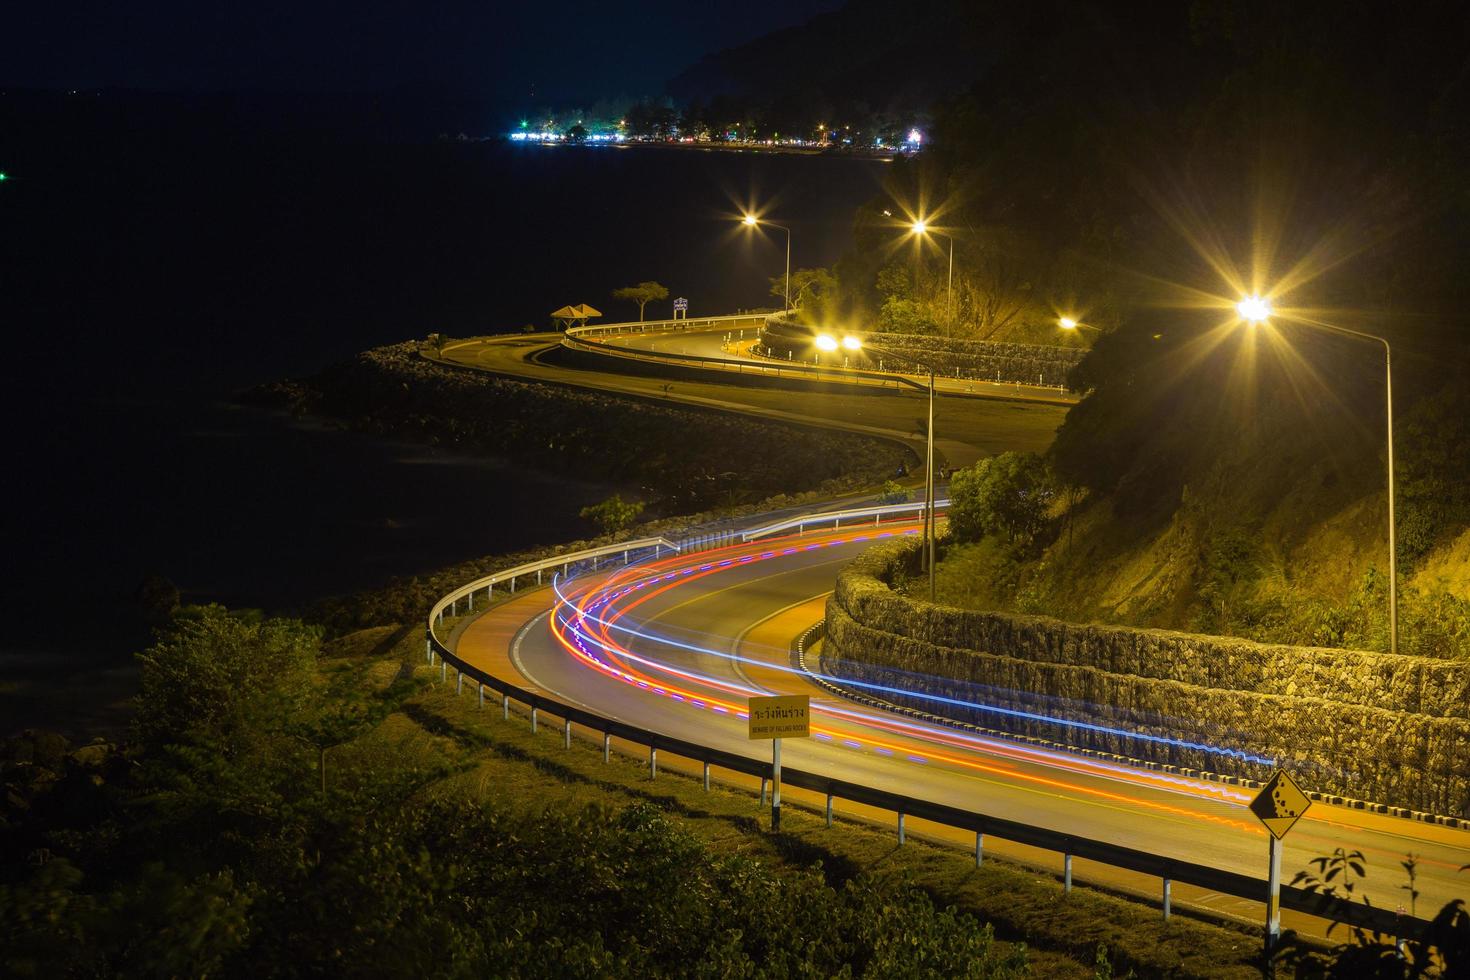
<point x="751" y="221"/>
<point x="1255" y="309"/>
<point x="921" y="228"/>
<point x="828" y="342"/>
<point x="1067" y="323"/>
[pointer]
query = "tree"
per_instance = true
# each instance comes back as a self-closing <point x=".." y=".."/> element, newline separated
<point x="348" y="710"/>
<point x="1009" y="494"/>
<point x="577" y="134"/>
<point x="219" y="676"/>
<point x="613" y="514"/>
<point x="642" y="294"/>
<point x="810" y="289"/>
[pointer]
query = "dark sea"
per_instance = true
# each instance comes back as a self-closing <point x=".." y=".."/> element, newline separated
<point x="150" y="272"/>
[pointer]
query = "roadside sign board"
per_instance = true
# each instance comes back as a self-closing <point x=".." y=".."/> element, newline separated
<point x="1280" y="804"/>
<point x="682" y="303"/>
<point x="784" y="716"/>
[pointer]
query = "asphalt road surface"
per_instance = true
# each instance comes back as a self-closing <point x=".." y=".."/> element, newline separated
<point x="680" y="652"/>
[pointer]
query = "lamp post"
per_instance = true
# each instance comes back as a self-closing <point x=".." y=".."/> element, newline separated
<point x="921" y="228"/>
<point x="1256" y="309"/>
<point x="751" y="221"/>
<point x="828" y="342"/>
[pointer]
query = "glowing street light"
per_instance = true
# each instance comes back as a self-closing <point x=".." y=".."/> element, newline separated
<point x="1067" y="323"/>
<point x="828" y="342"/>
<point x="751" y="221"/>
<point x="1255" y="309"/>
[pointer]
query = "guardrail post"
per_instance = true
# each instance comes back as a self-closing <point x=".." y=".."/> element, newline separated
<point x="979" y="847"/>
<point x="428" y="649"/>
<point x="533" y="719"/>
<point x="606" y="747"/>
<point x="538" y="576"/>
<point x="829" y="809"/>
<point x="652" y="762"/>
<point x="1166" y="899"/>
<point x="443" y="671"/>
<point x="470" y="602"/>
<point x="512" y="585"/>
<point x="505" y="707"/>
<point x="625" y="556"/>
<point x="706" y="777"/>
<point x="458" y="682"/>
<point x="1067" y="873"/>
<point x="901" y="836"/>
<point x="482" y="696"/>
<point x="763" y="792"/>
<point x="566" y="735"/>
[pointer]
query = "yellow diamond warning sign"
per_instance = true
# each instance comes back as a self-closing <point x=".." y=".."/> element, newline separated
<point x="1280" y="804"/>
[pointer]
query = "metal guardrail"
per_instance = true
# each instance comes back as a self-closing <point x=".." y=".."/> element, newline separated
<point x="1069" y="846"/>
<point x="450" y="602"/>
<point x="665" y="326"/>
<point x="837" y="517"/>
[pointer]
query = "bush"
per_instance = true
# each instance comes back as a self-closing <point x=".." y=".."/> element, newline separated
<point x="214" y="674"/>
<point x="1008" y="495"/>
<point x="613" y="514"/>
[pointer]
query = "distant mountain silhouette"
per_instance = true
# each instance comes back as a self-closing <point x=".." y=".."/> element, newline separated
<point x="870" y="52"/>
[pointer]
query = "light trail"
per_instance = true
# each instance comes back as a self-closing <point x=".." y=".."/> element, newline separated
<point x="571" y="632"/>
<point x="608" y="596"/>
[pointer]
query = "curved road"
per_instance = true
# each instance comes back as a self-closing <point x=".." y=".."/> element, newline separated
<point x="966" y="429"/>
<point x="735" y="344"/>
<point x="675" y="646"/>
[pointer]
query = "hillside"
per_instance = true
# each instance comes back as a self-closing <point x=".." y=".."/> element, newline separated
<point x="1141" y="171"/>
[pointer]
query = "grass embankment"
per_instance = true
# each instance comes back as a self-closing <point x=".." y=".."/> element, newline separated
<point x="506" y="763"/>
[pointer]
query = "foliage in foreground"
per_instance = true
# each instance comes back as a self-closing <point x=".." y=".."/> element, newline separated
<point x="216" y="845"/>
<point x="1444" y="950"/>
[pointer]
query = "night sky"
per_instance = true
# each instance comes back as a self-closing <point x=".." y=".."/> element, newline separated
<point x="576" y="51"/>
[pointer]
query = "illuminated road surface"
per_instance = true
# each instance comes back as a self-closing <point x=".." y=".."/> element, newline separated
<point x="712" y="343"/>
<point x="683" y="649"/>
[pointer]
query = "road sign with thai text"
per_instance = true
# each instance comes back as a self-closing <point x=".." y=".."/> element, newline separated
<point x="785" y="716"/>
<point x="1280" y="804"/>
<point x="681" y="303"/>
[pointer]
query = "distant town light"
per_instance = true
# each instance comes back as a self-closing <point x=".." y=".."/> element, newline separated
<point x="916" y="137"/>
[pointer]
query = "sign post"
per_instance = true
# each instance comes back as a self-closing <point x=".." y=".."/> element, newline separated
<point x="681" y="308"/>
<point x="1279" y="805"/>
<point x="775" y="718"/>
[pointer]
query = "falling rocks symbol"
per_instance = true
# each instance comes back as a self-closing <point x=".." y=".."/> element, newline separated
<point x="1280" y="804"/>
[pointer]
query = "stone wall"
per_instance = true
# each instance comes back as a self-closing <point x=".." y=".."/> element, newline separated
<point x="1392" y="729"/>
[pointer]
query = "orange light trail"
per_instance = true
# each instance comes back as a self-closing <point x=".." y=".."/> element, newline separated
<point x="631" y="675"/>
